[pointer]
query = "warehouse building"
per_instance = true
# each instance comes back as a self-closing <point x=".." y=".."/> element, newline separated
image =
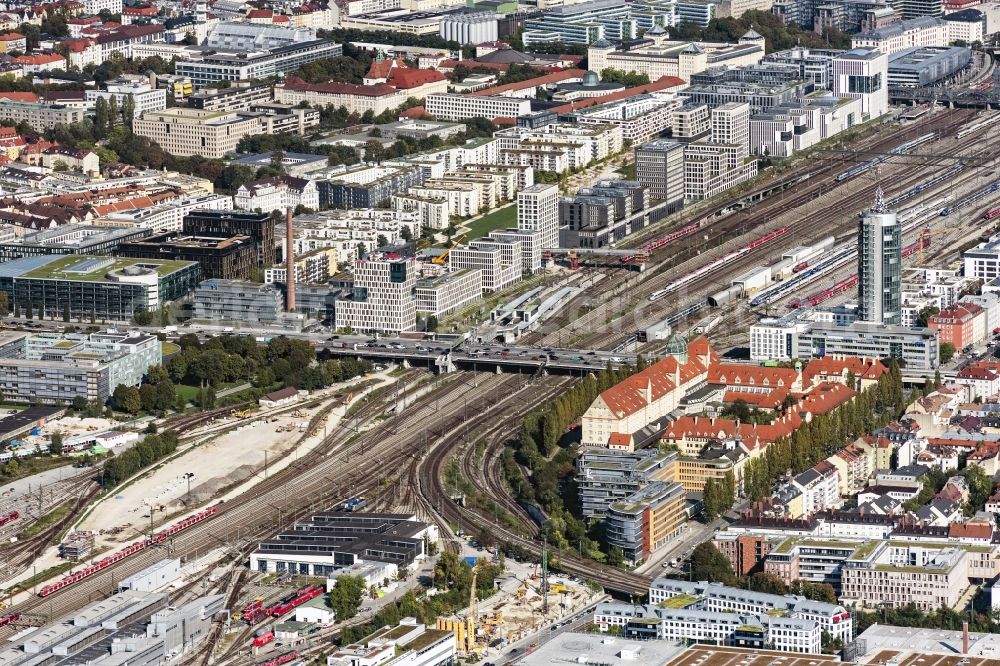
<point x="329" y="541"/>
<point x="103" y="288"/>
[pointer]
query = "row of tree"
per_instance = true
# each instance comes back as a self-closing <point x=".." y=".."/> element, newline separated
<point x="719" y="495"/>
<point x="778" y="34"/>
<point x="153" y="447"/>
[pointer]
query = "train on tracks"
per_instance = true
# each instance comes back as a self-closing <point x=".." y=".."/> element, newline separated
<point x="718" y="263"/>
<point x="9" y="517"/>
<point x="657" y="243"/>
<point x="992" y="213"/>
<point x="872" y="163"/>
<point x="129" y="551"/>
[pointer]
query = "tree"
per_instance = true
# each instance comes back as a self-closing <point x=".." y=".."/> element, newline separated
<point x="432" y="323"/>
<point x="66" y="311"/>
<point x="345" y="597"/>
<point x="382" y="240"/>
<point x="101" y="118"/>
<point x="767" y="582"/>
<point x="925" y="313"/>
<point x="31" y="310"/>
<point x="143" y="317"/>
<point x="128" y="110"/>
<point x="56" y="444"/>
<point x="712" y="499"/>
<point x="946" y="351"/>
<point x="127" y="399"/>
<point x="707" y="563"/>
<point x="59" y="166"/>
<point x="4" y="304"/>
<point x="406" y="234"/>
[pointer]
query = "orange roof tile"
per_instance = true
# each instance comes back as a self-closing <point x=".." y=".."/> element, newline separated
<point x="663" y="83"/>
<point x="552" y="77"/>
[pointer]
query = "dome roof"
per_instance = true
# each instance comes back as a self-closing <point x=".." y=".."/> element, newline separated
<point x="656" y="30"/>
<point x="752" y="34"/>
<point x="590" y="79"/>
<point x="602" y="44"/>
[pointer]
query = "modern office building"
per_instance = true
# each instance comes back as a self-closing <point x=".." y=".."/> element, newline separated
<point x="863" y="73"/>
<point x="102" y="288"/>
<point x="383" y="296"/>
<point x="70" y="239"/>
<point x="229" y="223"/>
<point x="659" y="166"/>
<point x="367" y="187"/>
<point x="214" y="65"/>
<point x="409" y="643"/>
<point x="231" y="301"/>
<point x="880" y="264"/>
<point x="500" y="262"/>
<point x="646" y="520"/>
<point x="606" y="476"/>
<point x="233" y="258"/>
<point x="922" y="66"/>
<point x="241" y="96"/>
<point x="918" y="29"/>
<point x="446" y="293"/>
<point x="53" y="368"/>
<point x="145" y="96"/>
<point x="601" y="215"/>
<point x="538" y="210"/>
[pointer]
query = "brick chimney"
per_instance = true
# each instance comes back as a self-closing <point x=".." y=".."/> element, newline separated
<point x="289" y="261"/>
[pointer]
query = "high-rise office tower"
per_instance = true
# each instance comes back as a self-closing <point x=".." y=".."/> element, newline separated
<point x="879" y="264"/>
<point x="538" y="210"/>
<point x="659" y="166"/>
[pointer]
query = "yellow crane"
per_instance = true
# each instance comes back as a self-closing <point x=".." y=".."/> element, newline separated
<point x="443" y="257"/>
<point x="925" y="240"/>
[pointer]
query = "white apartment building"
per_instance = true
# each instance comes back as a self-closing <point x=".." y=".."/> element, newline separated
<point x="784" y="634"/>
<point x="896" y="574"/>
<point x="186" y="132"/>
<point x="344" y="230"/>
<point x="94" y="7"/>
<point x="312" y="267"/>
<point x="983" y="261"/>
<point x="863" y="73"/>
<point x="531" y="247"/>
<point x="640" y="117"/>
<point x="832" y="618"/>
<point x="731" y="124"/>
<point x="449" y="292"/>
<point x="383" y="297"/>
<point x="449" y="106"/>
<point x="277" y="193"/>
<point x="538" y="210"/>
<point x="820" y="488"/>
<point x="146" y="97"/>
<point x="711" y="168"/>
<point x="582" y="144"/>
<point x="463" y="199"/>
<point x="432" y="212"/>
<point x="678" y="59"/>
<point x="478" y="151"/>
<point x="499" y="262"/>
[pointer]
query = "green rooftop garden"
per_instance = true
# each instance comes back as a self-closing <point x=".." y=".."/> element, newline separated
<point x="63" y="268"/>
<point x="680" y="601"/>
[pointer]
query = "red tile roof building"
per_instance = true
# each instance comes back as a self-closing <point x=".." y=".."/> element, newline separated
<point x="960" y="324"/>
<point x="403" y="84"/>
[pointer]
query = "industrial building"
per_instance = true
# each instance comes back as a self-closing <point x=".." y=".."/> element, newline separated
<point x="131" y="627"/>
<point x="324" y="542"/>
<point x="52" y="368"/>
<point x="102" y="288"/>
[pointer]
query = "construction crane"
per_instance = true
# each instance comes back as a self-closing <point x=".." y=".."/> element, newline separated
<point x="925" y="240"/>
<point x="443" y="257"/>
<point x="470" y="621"/>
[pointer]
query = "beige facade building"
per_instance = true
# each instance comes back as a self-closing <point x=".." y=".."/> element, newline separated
<point x="679" y="59"/>
<point x="185" y="132"/>
<point x="895" y="574"/>
<point x="40" y="116"/>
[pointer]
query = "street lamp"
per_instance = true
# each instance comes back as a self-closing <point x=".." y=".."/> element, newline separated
<point x="188" y="476"/>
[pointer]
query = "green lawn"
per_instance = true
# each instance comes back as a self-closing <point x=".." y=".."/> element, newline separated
<point x="167" y="348"/>
<point x="501" y="218"/>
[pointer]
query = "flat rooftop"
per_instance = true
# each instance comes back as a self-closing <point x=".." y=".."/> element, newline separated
<point x="82" y="267"/>
<point x="573" y="648"/>
<point x="710" y="655"/>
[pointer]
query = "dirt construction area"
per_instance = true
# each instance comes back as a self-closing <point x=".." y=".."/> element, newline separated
<point x="219" y="464"/>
